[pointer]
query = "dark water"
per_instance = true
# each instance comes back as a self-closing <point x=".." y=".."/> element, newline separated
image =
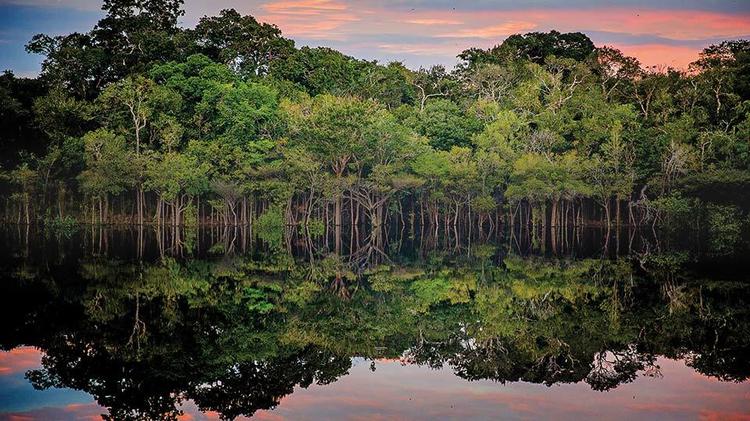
<point x="131" y="324"/>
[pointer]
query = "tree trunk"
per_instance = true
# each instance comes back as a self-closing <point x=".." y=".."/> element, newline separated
<point x="606" y="213"/>
<point x="553" y="221"/>
<point x="140" y="199"/>
<point x="337" y="211"/>
<point x="26" y="208"/>
<point x="617" y="211"/>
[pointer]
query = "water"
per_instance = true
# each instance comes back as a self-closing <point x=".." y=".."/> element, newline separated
<point x="218" y="323"/>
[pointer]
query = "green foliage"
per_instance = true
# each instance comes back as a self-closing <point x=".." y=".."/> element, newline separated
<point x="445" y="125"/>
<point x="237" y="113"/>
<point x="445" y="287"/>
<point x="534" y="46"/>
<point x="61" y="226"/>
<point x="247" y="46"/>
<point x="319" y="70"/>
<point x="675" y="208"/>
<point x="270" y="226"/>
<point x="230" y="112"/>
<point x="256" y="300"/>
<point x="174" y="174"/>
<point x="303" y="293"/>
<point x="724" y="228"/>
<point x="109" y="169"/>
<point x="315" y="227"/>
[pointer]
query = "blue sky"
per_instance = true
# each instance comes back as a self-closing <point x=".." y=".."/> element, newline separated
<point x="422" y="32"/>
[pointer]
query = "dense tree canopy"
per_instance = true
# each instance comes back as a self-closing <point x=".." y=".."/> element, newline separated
<point x="546" y="126"/>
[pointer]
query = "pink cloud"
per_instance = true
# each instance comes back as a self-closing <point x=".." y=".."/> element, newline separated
<point x="286" y="6"/>
<point x="192" y="412"/>
<point x="418" y="393"/>
<point x="661" y="54"/>
<point x="494" y="31"/>
<point x="75" y="411"/>
<point x="84" y="411"/>
<point x="268" y="416"/>
<point x="481" y="29"/>
<point x="679" y="25"/>
<point x="20" y="359"/>
<point x="433" y="21"/>
<point x="657" y="36"/>
<point x="723" y="416"/>
<point x="682" y="25"/>
<point x="318" y="19"/>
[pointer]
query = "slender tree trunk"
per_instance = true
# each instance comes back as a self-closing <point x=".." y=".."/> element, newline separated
<point x="244" y="210"/>
<point x="553" y="221"/>
<point x="26" y="207"/>
<point x="337" y="211"/>
<point x="631" y="217"/>
<point x="606" y="213"/>
<point x="617" y="211"/>
<point x="141" y="197"/>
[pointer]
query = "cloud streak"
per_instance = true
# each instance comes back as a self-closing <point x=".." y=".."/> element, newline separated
<point x="423" y="32"/>
<point x="492" y="32"/>
<point x="433" y="21"/>
<point x="316" y="19"/>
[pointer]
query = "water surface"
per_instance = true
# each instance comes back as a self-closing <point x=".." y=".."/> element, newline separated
<point x="216" y="324"/>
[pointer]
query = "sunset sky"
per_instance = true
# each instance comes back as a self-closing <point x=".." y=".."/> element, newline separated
<point x="423" y="32"/>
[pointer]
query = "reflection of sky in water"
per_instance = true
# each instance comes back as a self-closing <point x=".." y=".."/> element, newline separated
<point x="18" y="396"/>
<point x="411" y="392"/>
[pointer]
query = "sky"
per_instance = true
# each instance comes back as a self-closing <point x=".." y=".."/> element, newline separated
<point x="423" y="32"/>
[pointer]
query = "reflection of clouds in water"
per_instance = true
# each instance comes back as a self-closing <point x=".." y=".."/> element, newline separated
<point x="75" y="411"/>
<point x="20" y="401"/>
<point x="418" y="392"/>
<point x="421" y="393"/>
<point x="414" y="392"/>
<point x="18" y="360"/>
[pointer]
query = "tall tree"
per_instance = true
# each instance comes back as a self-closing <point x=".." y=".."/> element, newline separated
<point x="246" y="45"/>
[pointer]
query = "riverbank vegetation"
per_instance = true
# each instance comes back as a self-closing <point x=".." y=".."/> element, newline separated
<point x="140" y="121"/>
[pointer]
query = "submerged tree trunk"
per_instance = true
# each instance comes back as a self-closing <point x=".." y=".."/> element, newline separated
<point x="139" y="203"/>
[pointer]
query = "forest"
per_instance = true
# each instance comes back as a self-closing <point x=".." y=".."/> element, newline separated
<point x="141" y="121"/>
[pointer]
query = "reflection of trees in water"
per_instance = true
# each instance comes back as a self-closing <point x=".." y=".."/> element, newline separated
<point x="236" y="334"/>
<point x="363" y="248"/>
<point x="244" y="388"/>
<point x="609" y="369"/>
